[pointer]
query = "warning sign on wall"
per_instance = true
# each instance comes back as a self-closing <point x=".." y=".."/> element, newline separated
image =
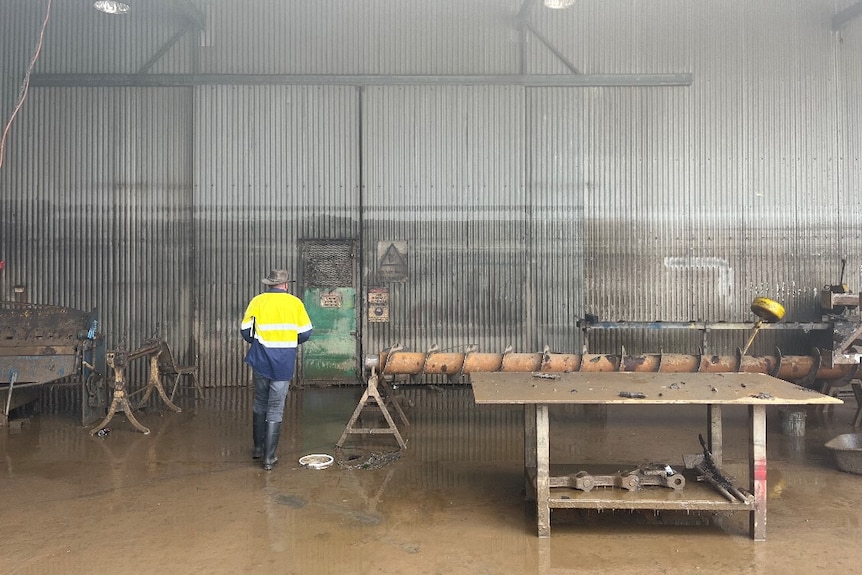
<point x="392" y="261"/>
<point x="378" y="305"/>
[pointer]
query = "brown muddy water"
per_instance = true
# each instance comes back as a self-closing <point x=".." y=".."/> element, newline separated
<point x="187" y="498"/>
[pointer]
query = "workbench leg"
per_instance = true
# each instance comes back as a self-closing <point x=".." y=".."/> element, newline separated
<point x="529" y="450"/>
<point x="857" y="393"/>
<point x="757" y="461"/>
<point x="543" y="471"/>
<point x="714" y="438"/>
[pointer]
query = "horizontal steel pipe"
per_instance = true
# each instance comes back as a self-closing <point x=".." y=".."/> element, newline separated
<point x="793" y="367"/>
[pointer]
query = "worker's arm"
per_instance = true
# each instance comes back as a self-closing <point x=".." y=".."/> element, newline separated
<point x="303" y="326"/>
<point x="247" y="327"/>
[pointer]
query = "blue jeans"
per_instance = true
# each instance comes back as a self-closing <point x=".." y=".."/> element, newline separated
<point x="269" y="397"/>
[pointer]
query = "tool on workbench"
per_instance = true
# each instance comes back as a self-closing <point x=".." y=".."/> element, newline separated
<point x="707" y="471"/>
<point x="649" y="475"/>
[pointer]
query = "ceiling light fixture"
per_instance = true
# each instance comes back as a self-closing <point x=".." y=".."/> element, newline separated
<point x="112" y="7"/>
<point x="559" y="4"/>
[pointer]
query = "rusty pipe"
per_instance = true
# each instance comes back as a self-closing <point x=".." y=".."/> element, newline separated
<point x="792" y="367"/>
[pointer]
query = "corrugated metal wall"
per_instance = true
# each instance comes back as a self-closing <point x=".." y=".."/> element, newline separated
<point x="365" y="37"/>
<point x="445" y="172"/>
<point x="97" y="209"/>
<point x="702" y="198"/>
<point x="522" y="207"/>
<point x="274" y="164"/>
<point x="846" y="183"/>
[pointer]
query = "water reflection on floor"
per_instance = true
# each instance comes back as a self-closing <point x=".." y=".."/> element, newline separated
<point x="187" y="498"/>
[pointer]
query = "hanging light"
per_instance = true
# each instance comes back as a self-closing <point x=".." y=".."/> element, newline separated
<point x="112" y="7"/>
<point x="559" y="4"/>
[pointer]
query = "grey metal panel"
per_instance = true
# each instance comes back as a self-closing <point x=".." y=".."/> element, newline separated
<point x="618" y="36"/>
<point x="374" y="37"/>
<point x="96" y="210"/>
<point x="444" y="171"/>
<point x="79" y="39"/>
<point x="700" y="199"/>
<point x="693" y="199"/>
<point x="848" y="171"/>
<point x="556" y="213"/>
<point x="278" y="37"/>
<point x="274" y="164"/>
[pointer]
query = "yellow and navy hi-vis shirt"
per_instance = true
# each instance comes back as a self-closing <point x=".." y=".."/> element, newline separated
<point x="275" y="323"/>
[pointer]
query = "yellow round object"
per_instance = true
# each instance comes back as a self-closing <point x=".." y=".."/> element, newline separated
<point x="767" y="309"/>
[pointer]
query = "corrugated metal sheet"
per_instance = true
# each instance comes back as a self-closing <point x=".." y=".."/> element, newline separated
<point x="846" y="184"/>
<point x="96" y="209"/>
<point x="369" y="37"/>
<point x="444" y="171"/>
<point x="522" y="208"/>
<point x="718" y="192"/>
<point x="496" y="430"/>
<point x="556" y="214"/>
<point x="160" y="36"/>
<point x="273" y="165"/>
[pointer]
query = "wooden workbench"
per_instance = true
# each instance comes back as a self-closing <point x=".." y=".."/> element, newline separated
<point x="713" y="390"/>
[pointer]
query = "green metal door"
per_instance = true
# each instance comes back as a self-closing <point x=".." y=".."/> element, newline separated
<point x="330" y="354"/>
<point x="327" y="276"/>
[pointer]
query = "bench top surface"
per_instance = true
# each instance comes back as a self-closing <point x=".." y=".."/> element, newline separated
<point x="629" y="388"/>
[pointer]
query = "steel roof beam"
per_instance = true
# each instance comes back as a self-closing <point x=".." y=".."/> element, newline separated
<point x="186" y="80"/>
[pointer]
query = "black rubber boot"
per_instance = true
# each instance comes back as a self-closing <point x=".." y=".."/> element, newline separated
<point x="258" y="430"/>
<point x="273" y="430"/>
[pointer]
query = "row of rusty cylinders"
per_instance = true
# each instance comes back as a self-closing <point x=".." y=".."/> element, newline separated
<point x="803" y="370"/>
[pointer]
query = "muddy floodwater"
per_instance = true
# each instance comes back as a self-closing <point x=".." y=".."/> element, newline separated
<point x="187" y="498"/>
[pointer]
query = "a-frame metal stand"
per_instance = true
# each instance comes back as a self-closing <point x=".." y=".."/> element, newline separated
<point x="118" y="360"/>
<point x="373" y="399"/>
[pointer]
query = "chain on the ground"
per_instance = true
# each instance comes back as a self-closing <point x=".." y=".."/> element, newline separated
<point x="374" y="461"/>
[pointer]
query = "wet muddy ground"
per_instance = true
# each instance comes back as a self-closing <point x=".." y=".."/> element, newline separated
<point x="187" y="498"/>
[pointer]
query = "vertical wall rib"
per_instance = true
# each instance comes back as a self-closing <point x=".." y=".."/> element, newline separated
<point x="102" y="222"/>
<point x="274" y="164"/>
<point x="556" y="208"/>
<point x="847" y="182"/>
<point x="444" y="172"/>
<point x="522" y="208"/>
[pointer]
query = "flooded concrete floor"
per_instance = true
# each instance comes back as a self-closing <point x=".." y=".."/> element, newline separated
<point x="187" y="498"/>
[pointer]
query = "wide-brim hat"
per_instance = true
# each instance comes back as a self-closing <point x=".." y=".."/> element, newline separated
<point x="276" y="277"/>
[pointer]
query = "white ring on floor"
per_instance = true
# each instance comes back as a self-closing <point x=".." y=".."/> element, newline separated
<point x="316" y="461"/>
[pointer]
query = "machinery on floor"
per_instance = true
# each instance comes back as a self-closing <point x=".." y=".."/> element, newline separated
<point x="834" y="364"/>
<point x="829" y="366"/>
<point x="41" y="344"/>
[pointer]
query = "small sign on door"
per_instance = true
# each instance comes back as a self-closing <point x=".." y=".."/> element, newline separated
<point x="378" y="305"/>
<point x="331" y="299"/>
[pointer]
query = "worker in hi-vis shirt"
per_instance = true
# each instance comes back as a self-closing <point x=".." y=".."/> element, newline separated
<point x="275" y="324"/>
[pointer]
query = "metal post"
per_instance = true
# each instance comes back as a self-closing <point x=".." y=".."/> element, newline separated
<point x="757" y="461"/>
